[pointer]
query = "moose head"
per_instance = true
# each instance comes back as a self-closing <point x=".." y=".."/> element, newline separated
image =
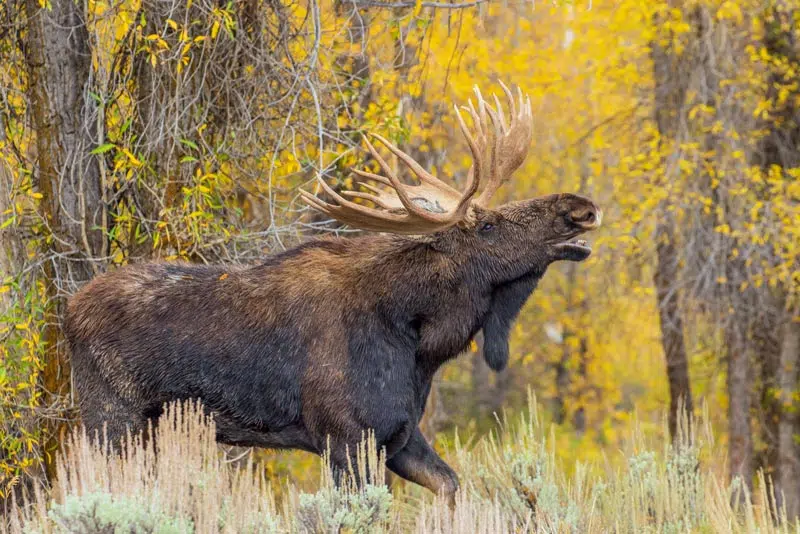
<point x="501" y="243"/>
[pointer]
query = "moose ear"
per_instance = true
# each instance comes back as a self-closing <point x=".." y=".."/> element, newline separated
<point x="445" y="246"/>
<point x="507" y="301"/>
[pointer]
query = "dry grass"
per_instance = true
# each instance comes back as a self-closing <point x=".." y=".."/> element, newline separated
<point x="179" y="482"/>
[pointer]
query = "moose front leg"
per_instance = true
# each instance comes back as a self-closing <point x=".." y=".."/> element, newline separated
<point x="419" y="463"/>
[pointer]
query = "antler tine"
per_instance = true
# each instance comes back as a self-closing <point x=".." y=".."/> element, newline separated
<point x="352" y="218"/>
<point x="342" y="203"/>
<point x="382" y="198"/>
<point x="402" y="190"/>
<point x="499" y="131"/>
<point x="365" y="217"/>
<point x="372" y="198"/>
<point x="415" y="167"/>
<point x="475" y="173"/>
<point x="511" y="143"/>
<point x="370" y="176"/>
<point x="371" y="219"/>
<point x="481" y="117"/>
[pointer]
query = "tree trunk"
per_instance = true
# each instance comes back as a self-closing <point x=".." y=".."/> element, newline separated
<point x="58" y="60"/>
<point x="481" y="380"/>
<point x="789" y="424"/>
<point x="671" y="321"/>
<point x="11" y="246"/>
<point x="435" y="415"/>
<point x="562" y="384"/>
<point x="765" y="353"/>
<point x="740" y="380"/>
<point x="579" y="415"/>
<point x="503" y="383"/>
<point x="780" y="148"/>
<point x="671" y="81"/>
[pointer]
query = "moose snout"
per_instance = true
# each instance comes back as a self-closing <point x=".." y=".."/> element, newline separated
<point x="586" y="217"/>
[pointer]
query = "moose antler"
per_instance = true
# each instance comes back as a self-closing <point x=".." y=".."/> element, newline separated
<point x="406" y="209"/>
<point x="511" y="141"/>
<point x="433" y="205"/>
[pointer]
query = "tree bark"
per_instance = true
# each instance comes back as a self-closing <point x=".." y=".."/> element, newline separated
<point x="789" y="423"/>
<point x="764" y="347"/>
<point x="11" y="246"/>
<point x="503" y="383"/>
<point x="58" y="59"/>
<point x="579" y="415"/>
<point x="780" y="148"/>
<point x="562" y="384"/>
<point x="671" y="321"/>
<point x="671" y="81"/>
<point x="740" y="448"/>
<point x="435" y="414"/>
<point x="481" y="380"/>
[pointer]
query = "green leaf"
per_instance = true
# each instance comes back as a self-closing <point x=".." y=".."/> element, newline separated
<point x="102" y="149"/>
<point x="126" y="125"/>
<point x="190" y="144"/>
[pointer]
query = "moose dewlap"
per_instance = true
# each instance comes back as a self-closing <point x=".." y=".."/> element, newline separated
<point x="316" y="345"/>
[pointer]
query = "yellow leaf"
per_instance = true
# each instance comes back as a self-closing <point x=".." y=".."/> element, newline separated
<point x="131" y="157"/>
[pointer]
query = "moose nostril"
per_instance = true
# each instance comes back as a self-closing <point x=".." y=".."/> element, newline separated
<point x="583" y="216"/>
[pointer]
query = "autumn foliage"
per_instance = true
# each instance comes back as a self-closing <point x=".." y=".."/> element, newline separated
<point x="184" y="129"/>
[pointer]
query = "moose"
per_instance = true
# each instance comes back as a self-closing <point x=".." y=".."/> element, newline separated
<point x="317" y="345"/>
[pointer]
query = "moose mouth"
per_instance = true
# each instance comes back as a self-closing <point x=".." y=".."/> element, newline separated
<point x="574" y="249"/>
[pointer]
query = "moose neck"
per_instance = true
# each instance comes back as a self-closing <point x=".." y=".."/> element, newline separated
<point x="445" y="298"/>
<point x="424" y="296"/>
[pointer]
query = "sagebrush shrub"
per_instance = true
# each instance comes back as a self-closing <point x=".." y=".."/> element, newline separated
<point x="102" y="513"/>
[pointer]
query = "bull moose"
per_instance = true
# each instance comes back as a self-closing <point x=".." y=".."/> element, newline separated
<point x="320" y="343"/>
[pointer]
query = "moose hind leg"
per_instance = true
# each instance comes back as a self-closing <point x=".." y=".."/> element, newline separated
<point x="110" y="420"/>
<point x="419" y="463"/>
<point x="103" y="411"/>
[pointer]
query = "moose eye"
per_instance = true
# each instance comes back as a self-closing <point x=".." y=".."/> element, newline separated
<point x="487" y="227"/>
